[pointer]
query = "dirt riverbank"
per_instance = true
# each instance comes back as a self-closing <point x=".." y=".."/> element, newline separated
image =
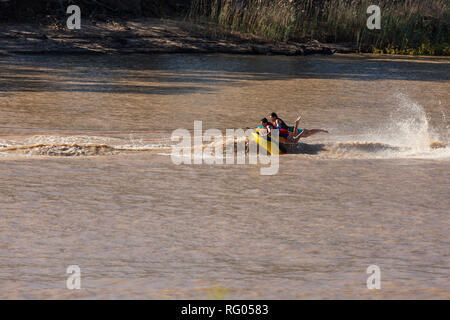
<point x="144" y="36"/>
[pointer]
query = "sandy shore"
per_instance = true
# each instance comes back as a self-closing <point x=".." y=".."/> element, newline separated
<point x="143" y="36"/>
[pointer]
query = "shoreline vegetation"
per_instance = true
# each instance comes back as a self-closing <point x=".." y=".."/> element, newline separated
<point x="413" y="27"/>
<point x="271" y="27"/>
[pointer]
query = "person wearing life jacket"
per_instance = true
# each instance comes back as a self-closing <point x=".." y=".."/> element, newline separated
<point x="294" y="132"/>
<point x="267" y="127"/>
<point x="266" y="124"/>
<point x="279" y="123"/>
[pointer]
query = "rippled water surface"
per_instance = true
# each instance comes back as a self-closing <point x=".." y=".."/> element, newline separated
<point x="86" y="178"/>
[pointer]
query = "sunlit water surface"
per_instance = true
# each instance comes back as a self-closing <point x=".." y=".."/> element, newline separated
<point x="86" y="178"/>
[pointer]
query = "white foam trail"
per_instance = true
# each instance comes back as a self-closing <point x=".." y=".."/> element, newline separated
<point x="74" y="146"/>
<point x="144" y="147"/>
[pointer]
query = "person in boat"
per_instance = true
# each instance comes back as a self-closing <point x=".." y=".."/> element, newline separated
<point x="284" y="134"/>
<point x="265" y="124"/>
<point x="294" y="132"/>
<point x="265" y="127"/>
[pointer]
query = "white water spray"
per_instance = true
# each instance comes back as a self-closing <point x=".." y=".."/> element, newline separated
<point x="406" y="133"/>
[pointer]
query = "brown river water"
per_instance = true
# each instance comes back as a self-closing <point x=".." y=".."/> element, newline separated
<point x="86" y="178"/>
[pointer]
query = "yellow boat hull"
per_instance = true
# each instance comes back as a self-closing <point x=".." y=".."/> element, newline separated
<point x="267" y="145"/>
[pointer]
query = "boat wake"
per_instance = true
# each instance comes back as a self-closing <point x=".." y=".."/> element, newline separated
<point x="73" y="146"/>
<point x="378" y="150"/>
<point x="407" y="133"/>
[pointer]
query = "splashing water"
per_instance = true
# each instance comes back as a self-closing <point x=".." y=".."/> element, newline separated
<point x="408" y="127"/>
<point x="407" y="133"/>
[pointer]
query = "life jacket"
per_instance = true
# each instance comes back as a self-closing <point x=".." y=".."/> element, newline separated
<point x="284" y="133"/>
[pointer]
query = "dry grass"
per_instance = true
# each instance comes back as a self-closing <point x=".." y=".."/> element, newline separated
<point x="408" y="26"/>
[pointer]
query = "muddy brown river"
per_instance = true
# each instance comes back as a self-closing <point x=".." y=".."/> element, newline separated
<point x="86" y="178"/>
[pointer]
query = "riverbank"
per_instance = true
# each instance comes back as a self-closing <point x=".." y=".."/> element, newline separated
<point x="145" y="35"/>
